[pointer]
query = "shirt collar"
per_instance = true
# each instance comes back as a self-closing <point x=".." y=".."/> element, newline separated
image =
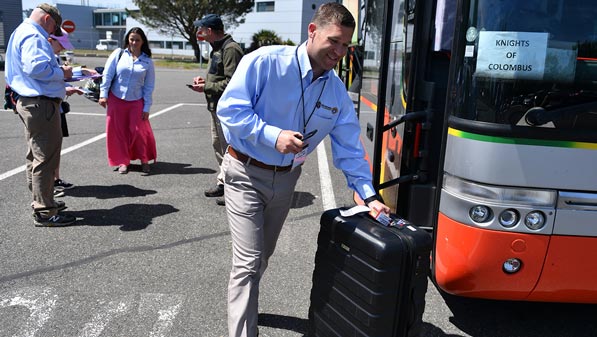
<point x="303" y="58"/>
<point x="41" y="29"/>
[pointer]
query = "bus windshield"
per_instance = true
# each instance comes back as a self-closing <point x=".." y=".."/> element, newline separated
<point x="529" y="64"/>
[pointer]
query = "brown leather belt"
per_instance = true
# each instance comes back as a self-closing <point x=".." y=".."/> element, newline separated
<point x="46" y="98"/>
<point x="251" y="161"/>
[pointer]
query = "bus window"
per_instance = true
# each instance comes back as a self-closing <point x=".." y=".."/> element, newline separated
<point x="530" y="64"/>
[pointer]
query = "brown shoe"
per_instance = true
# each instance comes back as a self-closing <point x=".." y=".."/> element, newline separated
<point x="122" y="169"/>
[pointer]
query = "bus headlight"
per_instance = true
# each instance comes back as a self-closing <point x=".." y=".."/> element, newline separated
<point x="508" y="218"/>
<point x="480" y="213"/>
<point x="535" y="220"/>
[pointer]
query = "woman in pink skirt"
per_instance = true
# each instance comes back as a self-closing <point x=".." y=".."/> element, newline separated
<point x="126" y="89"/>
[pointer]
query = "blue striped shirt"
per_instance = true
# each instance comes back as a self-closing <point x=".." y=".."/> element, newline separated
<point x="31" y="67"/>
<point x="264" y="97"/>
<point x="133" y="79"/>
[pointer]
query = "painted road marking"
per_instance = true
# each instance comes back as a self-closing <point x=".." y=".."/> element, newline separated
<point x="41" y="302"/>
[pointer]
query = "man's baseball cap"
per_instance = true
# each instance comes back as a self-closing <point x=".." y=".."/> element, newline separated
<point x="210" y="21"/>
<point x="55" y="14"/>
<point x="63" y="40"/>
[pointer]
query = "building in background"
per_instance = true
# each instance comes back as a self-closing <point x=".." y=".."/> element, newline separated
<point x="287" y="18"/>
<point x="11" y="15"/>
<point x="86" y="32"/>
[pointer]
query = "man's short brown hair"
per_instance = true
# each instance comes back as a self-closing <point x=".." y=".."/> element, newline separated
<point x="333" y="13"/>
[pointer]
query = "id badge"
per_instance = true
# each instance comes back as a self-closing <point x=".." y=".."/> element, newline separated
<point x="299" y="158"/>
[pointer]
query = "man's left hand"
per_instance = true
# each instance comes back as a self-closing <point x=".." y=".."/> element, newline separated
<point x="378" y="206"/>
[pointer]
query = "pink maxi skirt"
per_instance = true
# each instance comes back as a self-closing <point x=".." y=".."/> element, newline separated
<point x="128" y="136"/>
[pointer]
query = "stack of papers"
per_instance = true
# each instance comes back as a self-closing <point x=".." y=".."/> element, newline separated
<point x="79" y="75"/>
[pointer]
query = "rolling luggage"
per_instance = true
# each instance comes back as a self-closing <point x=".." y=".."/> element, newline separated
<point x="369" y="279"/>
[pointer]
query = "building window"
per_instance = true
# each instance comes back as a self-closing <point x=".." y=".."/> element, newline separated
<point x="110" y="19"/>
<point x="156" y="44"/>
<point x="173" y="44"/>
<point x="265" y="6"/>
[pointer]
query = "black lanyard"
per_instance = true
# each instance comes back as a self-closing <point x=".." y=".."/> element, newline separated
<point x="317" y="104"/>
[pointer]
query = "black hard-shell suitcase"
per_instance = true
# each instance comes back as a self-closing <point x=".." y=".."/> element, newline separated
<point x="369" y="279"/>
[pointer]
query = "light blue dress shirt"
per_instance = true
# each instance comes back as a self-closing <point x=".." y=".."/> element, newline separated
<point x="31" y="67"/>
<point x="264" y="97"/>
<point x="133" y="79"/>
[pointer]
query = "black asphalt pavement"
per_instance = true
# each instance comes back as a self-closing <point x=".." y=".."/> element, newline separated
<point x="150" y="255"/>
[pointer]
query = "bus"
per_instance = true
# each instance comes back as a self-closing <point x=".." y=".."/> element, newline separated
<point x="479" y="118"/>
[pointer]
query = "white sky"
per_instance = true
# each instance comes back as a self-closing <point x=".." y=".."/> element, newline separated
<point x="98" y="3"/>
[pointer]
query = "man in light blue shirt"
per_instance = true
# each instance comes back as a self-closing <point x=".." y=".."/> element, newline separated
<point x="281" y="102"/>
<point x="34" y="74"/>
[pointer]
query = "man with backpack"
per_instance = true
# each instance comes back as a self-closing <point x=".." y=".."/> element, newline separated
<point x="223" y="60"/>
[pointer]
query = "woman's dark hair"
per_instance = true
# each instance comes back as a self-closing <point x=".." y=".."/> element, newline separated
<point x="144" y="47"/>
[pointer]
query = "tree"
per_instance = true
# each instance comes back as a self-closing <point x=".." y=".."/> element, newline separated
<point x="266" y="38"/>
<point x="177" y="16"/>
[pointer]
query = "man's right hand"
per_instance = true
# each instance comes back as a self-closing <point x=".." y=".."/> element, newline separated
<point x="68" y="72"/>
<point x="289" y="142"/>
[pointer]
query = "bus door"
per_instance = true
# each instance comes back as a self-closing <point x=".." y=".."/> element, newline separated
<point x="402" y="102"/>
<point x="382" y="97"/>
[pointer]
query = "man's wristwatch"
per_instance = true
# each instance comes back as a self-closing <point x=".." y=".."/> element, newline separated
<point x="371" y="198"/>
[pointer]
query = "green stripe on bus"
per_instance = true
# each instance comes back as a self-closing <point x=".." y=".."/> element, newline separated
<point x="522" y="141"/>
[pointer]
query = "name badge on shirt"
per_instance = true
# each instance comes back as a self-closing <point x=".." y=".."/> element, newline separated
<point x="300" y="157"/>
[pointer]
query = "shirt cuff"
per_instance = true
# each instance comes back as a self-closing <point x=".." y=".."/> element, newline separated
<point x="270" y="134"/>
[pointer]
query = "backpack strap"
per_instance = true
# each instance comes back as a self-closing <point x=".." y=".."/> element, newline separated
<point x="116" y="66"/>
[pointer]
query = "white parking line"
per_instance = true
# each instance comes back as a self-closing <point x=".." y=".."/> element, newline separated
<point x="327" y="190"/>
<point x="87" y="142"/>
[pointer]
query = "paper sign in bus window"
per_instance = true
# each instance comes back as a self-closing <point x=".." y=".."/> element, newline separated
<point x="511" y="55"/>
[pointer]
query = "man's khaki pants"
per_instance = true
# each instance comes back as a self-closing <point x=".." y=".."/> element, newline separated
<point x="44" y="140"/>
<point x="257" y="203"/>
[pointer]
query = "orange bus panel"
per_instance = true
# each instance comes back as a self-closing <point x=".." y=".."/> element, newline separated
<point x="468" y="261"/>
<point x="567" y="275"/>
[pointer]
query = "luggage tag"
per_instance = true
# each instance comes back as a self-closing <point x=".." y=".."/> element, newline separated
<point x="381" y="217"/>
<point x="391" y="220"/>
<point x="300" y="157"/>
